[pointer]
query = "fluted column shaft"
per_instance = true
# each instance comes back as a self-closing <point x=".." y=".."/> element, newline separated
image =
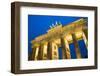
<point x="35" y="51"/>
<point x="52" y="50"/>
<point x="65" y="48"/>
<point x="76" y="46"/>
<point x="43" y="51"/>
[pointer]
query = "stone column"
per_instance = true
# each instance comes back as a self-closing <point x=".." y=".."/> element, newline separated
<point x="52" y="50"/>
<point x="45" y="46"/>
<point x="85" y="39"/>
<point x="81" y="36"/>
<point x="85" y="32"/>
<point x="76" y="45"/>
<point x="65" y="48"/>
<point x="35" y="51"/>
<point x="43" y="51"/>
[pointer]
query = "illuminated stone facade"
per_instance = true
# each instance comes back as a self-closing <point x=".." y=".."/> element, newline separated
<point x="45" y="47"/>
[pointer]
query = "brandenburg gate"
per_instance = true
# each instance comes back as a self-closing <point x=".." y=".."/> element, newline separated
<point x="45" y="47"/>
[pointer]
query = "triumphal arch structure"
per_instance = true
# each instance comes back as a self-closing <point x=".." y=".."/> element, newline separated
<point x="45" y="47"/>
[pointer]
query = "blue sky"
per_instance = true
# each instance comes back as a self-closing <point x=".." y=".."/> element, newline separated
<point x="39" y="24"/>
